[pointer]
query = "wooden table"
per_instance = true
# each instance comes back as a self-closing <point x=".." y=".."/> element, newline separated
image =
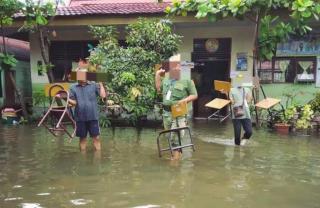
<point x="218" y="103"/>
<point x="267" y="103"/>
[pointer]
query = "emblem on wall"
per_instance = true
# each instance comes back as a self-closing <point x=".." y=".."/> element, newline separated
<point x="212" y="45"/>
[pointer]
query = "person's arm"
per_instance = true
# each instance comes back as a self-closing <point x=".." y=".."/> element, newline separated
<point x="188" y="99"/>
<point x="193" y="95"/>
<point x="231" y="96"/>
<point x="102" y="91"/>
<point x="231" y="99"/>
<point x="248" y="96"/>
<point x="72" y="97"/>
<point x="72" y="102"/>
<point x="158" y="79"/>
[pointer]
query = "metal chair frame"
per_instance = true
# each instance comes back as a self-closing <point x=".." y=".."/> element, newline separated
<point x="56" y="106"/>
<point x="175" y="130"/>
<point x="221" y="86"/>
<point x="271" y="113"/>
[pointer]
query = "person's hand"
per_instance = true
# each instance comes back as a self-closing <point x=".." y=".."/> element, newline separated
<point x="223" y="92"/>
<point x="182" y="101"/>
<point x="160" y="72"/>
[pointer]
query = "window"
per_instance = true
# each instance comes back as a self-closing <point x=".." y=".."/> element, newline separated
<point x="265" y="72"/>
<point x="64" y="53"/>
<point x="288" y="70"/>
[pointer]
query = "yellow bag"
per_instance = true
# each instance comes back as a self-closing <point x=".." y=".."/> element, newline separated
<point x="179" y="109"/>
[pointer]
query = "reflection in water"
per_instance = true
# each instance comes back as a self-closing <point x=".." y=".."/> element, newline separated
<point x="80" y="201"/>
<point x="147" y="206"/>
<point x="13" y="199"/>
<point x="30" y="205"/>
<point x="38" y="170"/>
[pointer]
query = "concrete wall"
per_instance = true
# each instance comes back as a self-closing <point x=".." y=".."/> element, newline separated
<point x="63" y="34"/>
<point x="240" y="32"/>
<point x="241" y="41"/>
<point x="23" y="80"/>
<point x="35" y="56"/>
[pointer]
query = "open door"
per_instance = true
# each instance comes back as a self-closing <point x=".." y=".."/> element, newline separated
<point x="212" y="62"/>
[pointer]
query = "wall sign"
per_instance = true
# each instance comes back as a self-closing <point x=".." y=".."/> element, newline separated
<point x="242" y="61"/>
<point x="299" y="47"/>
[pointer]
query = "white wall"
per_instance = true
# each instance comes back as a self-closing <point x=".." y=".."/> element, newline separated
<point x="35" y="56"/>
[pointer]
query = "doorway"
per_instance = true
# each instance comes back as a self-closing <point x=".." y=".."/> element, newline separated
<point x="210" y="65"/>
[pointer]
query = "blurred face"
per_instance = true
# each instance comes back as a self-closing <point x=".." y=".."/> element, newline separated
<point x="82" y="76"/>
<point x="175" y="72"/>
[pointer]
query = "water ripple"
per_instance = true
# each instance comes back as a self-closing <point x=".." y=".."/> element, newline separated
<point x="80" y="201"/>
<point x="13" y="198"/>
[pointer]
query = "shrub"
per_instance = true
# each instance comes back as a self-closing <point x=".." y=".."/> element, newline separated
<point x="131" y="69"/>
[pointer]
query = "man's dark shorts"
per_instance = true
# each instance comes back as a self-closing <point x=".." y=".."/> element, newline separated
<point x="83" y="127"/>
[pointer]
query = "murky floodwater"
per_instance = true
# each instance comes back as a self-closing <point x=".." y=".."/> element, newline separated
<point x="38" y="170"/>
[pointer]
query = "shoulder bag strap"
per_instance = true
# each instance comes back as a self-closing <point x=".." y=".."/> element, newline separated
<point x="244" y="97"/>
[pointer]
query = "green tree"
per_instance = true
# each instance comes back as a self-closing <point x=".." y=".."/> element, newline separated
<point x="131" y="68"/>
<point x="7" y="61"/>
<point x="270" y="28"/>
<point x="155" y="36"/>
<point x="38" y="15"/>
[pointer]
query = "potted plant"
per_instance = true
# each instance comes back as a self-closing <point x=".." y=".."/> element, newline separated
<point x="304" y="119"/>
<point x="286" y="120"/>
<point x="315" y="106"/>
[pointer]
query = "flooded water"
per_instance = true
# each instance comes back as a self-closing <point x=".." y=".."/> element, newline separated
<point x="38" y="170"/>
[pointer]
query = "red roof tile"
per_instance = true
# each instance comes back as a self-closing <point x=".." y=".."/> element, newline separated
<point x="99" y="7"/>
<point x="81" y="2"/>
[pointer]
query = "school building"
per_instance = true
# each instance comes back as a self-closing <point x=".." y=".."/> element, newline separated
<point x="217" y="49"/>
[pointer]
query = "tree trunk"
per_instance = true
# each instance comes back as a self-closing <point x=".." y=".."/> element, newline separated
<point x="9" y="89"/>
<point x="256" y="45"/>
<point x="4" y="40"/>
<point x="255" y="63"/>
<point x="45" y="56"/>
<point x="18" y="93"/>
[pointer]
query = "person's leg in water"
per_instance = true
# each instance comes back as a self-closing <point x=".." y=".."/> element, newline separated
<point x="81" y="132"/>
<point x="168" y="123"/>
<point x="247" y="127"/>
<point x="94" y="131"/>
<point x="96" y="143"/>
<point x="83" y="144"/>
<point x="174" y="138"/>
<point x="237" y="130"/>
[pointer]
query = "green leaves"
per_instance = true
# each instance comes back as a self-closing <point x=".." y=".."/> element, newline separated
<point x="7" y="61"/>
<point x="272" y="30"/>
<point x="41" y="20"/>
<point x="131" y="68"/>
<point x="153" y="35"/>
<point x="304" y="120"/>
<point x="7" y="9"/>
<point x="37" y="14"/>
